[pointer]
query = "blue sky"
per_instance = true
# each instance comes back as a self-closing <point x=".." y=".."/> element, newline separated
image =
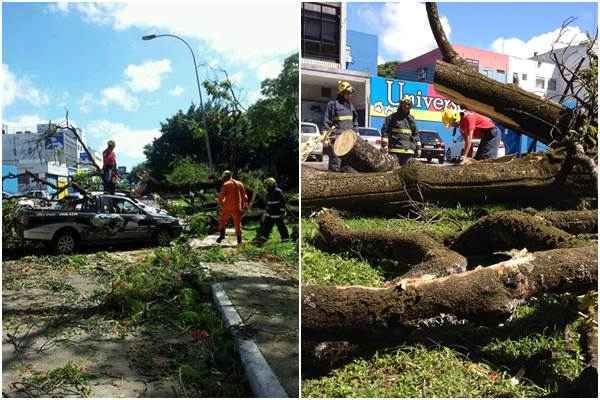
<point x="513" y="28"/>
<point x="89" y="58"/>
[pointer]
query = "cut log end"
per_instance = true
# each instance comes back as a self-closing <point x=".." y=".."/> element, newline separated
<point x="344" y="142"/>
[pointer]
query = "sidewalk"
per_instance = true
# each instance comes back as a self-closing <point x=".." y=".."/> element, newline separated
<point x="266" y="298"/>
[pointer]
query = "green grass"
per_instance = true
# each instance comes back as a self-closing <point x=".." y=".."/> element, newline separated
<point x="69" y="380"/>
<point x="417" y="371"/>
<point x="541" y="341"/>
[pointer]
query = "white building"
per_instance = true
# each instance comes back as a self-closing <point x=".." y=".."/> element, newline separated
<point x="533" y="75"/>
<point x="569" y="56"/>
<point x="323" y="61"/>
<point x="52" y="158"/>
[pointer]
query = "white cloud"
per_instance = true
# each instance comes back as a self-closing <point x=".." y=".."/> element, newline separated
<point x="406" y="31"/>
<point x="26" y="122"/>
<point x="176" y="91"/>
<point x="147" y="76"/>
<point x="253" y="96"/>
<point x="59" y="7"/>
<point x="541" y="43"/>
<point x="269" y="70"/>
<point x="265" y="28"/>
<point x="380" y="60"/>
<point x="85" y="103"/>
<point x="14" y="88"/>
<point x="130" y="142"/>
<point x="121" y="97"/>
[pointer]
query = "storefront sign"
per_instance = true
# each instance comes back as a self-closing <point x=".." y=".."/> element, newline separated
<point x="387" y="93"/>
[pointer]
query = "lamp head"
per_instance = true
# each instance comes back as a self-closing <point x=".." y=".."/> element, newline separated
<point x="148" y="37"/>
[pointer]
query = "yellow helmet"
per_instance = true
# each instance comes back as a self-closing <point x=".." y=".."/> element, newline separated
<point x="344" y="86"/>
<point x="270" y="182"/>
<point x="450" y="116"/>
<point x="407" y="100"/>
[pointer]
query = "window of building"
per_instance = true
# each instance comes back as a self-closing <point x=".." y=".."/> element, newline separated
<point x="472" y="61"/>
<point x="540" y="83"/>
<point x="321" y="31"/>
<point x="523" y="77"/>
<point x="422" y="74"/>
<point x="515" y="78"/>
<point x="551" y="84"/>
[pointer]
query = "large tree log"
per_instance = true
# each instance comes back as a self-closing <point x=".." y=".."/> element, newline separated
<point x="360" y="155"/>
<point x="529" y="179"/>
<point x="513" y="107"/>
<point x="415" y="253"/>
<point x="484" y="295"/>
<point x="574" y="222"/>
<point x="509" y="230"/>
<point x="508" y="104"/>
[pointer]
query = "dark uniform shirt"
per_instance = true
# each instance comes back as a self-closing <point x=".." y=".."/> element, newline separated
<point x="342" y="114"/>
<point x="401" y="132"/>
<point x="275" y="203"/>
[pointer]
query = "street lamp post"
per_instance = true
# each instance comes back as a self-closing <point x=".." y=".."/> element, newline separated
<point x="210" y="159"/>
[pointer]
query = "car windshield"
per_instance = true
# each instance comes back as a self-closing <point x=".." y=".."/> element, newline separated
<point x="368" y="132"/>
<point x="309" y="129"/>
<point x="428" y="136"/>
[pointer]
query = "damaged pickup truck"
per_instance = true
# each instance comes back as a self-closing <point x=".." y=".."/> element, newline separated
<point x="100" y="219"/>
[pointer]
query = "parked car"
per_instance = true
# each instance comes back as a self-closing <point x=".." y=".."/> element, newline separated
<point x="371" y="135"/>
<point x="99" y="220"/>
<point x="432" y="146"/>
<point x="456" y="149"/>
<point x="309" y="131"/>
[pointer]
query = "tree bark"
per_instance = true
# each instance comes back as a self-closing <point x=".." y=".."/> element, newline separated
<point x="530" y="179"/>
<point x="509" y="230"/>
<point x="448" y="53"/>
<point x="507" y="104"/>
<point x="361" y="156"/>
<point x="484" y="295"/>
<point x="415" y="253"/>
<point x="573" y="222"/>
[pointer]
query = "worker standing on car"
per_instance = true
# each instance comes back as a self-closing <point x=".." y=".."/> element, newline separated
<point x="399" y="132"/>
<point x="340" y="114"/>
<point x="474" y="126"/>
<point x="233" y="201"/>
<point x="109" y="168"/>
<point x="274" y="213"/>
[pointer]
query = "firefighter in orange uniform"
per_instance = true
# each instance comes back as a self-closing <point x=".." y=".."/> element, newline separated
<point x="233" y="201"/>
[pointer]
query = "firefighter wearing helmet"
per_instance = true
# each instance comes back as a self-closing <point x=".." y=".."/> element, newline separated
<point x="274" y="213"/>
<point x="400" y="134"/>
<point x="340" y="114"/>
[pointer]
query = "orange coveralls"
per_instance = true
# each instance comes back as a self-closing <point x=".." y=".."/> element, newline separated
<point x="233" y="200"/>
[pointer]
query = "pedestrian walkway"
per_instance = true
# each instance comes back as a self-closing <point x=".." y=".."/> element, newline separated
<point x="265" y="296"/>
<point x="211" y="241"/>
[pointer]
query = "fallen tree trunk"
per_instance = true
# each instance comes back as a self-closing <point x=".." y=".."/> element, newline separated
<point x="509" y="230"/>
<point x="360" y="155"/>
<point x="513" y="107"/>
<point x="530" y="179"/>
<point x="574" y="222"/>
<point x="417" y="254"/>
<point x="484" y="295"/>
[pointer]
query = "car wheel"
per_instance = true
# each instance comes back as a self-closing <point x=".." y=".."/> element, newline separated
<point x="428" y="159"/>
<point x="64" y="243"/>
<point x="163" y="237"/>
<point x="448" y="155"/>
<point x="441" y="160"/>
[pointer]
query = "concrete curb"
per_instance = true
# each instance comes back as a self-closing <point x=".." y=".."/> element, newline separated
<point x="262" y="379"/>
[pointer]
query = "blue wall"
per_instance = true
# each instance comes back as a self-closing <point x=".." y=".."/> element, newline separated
<point x="363" y="47"/>
<point x="9" y="185"/>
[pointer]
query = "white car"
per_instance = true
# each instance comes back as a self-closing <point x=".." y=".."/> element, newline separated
<point x="371" y="135"/>
<point x="456" y="149"/>
<point x="308" y="131"/>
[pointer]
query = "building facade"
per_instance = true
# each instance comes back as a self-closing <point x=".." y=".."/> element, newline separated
<point x="326" y="59"/>
<point x="53" y="158"/>
<point x="422" y="68"/>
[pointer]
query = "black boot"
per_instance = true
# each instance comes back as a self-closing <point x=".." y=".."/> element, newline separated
<point x="221" y="236"/>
